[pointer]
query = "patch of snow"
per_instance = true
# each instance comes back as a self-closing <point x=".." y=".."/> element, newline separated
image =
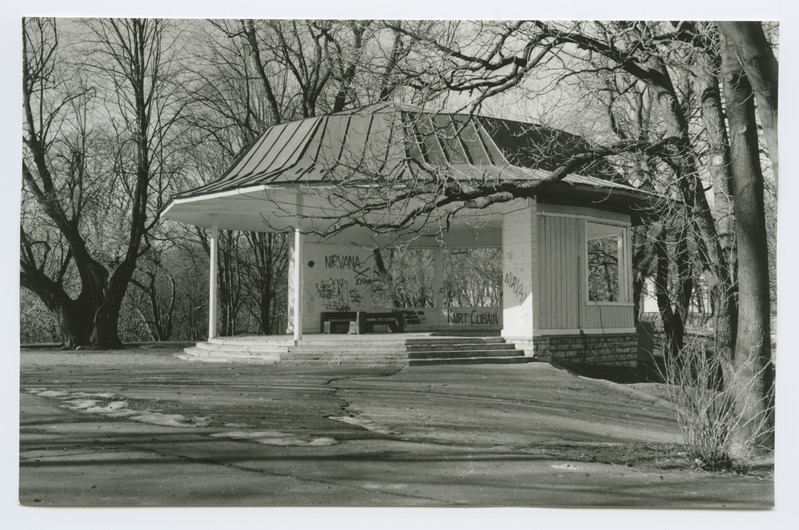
<point x="275" y="438"/>
<point x="169" y="420"/>
<point x="105" y="404"/>
<point x="566" y="466"/>
<point x="51" y="394"/>
<point x="80" y="404"/>
<point x="324" y="440"/>
<point x="369" y="425"/>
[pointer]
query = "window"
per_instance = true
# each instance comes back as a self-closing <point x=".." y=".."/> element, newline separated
<point x="605" y="244"/>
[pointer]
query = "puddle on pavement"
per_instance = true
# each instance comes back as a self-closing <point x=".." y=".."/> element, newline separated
<point x="112" y="406"/>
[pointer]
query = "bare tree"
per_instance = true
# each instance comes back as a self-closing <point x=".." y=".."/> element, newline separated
<point x="156" y="312"/>
<point x="134" y="65"/>
<point x="752" y="375"/>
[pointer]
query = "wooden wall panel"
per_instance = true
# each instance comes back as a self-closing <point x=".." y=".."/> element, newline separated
<point x="608" y="316"/>
<point x="559" y="244"/>
<point x="562" y="282"/>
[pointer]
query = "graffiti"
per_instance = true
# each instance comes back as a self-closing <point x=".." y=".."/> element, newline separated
<point x="362" y="278"/>
<point x="342" y="262"/>
<point x="414" y="318"/>
<point x="473" y="317"/>
<point x="516" y="286"/>
<point x="334" y="294"/>
<point x="355" y="297"/>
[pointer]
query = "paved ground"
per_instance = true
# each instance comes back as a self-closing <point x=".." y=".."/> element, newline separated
<point x="142" y="427"/>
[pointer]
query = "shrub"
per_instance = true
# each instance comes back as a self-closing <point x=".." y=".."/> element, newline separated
<point x="705" y="407"/>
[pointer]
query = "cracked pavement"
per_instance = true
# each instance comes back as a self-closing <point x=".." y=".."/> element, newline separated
<point x="141" y="427"/>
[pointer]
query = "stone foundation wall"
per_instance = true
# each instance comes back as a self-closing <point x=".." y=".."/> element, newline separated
<point x="618" y="349"/>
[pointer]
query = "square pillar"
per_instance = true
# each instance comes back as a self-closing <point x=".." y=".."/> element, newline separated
<point x="520" y="272"/>
<point x="212" y="280"/>
<point x="438" y="278"/>
<point x="297" y="280"/>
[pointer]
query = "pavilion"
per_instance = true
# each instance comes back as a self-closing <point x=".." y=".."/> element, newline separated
<point x="336" y="181"/>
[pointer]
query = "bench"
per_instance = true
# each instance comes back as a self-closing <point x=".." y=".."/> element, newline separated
<point x="393" y="320"/>
<point x="338" y="321"/>
<point x="361" y="321"/>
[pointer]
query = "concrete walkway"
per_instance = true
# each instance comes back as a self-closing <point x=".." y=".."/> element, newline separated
<point x="142" y="427"/>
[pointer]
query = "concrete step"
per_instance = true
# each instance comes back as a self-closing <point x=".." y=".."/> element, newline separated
<point x="344" y="355"/>
<point x="462" y="354"/>
<point x="353" y="343"/>
<point x="490" y="346"/>
<point x="345" y="351"/>
<point x="253" y="340"/>
<point x="357" y="350"/>
<point x="454" y="340"/>
<point x="242" y="347"/>
<point x="349" y="360"/>
<point x="471" y="360"/>
<point x="222" y="355"/>
<point x="244" y="354"/>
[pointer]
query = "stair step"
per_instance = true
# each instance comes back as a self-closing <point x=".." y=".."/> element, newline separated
<point x="257" y="348"/>
<point x="357" y="351"/>
<point x="499" y="346"/>
<point x="454" y="340"/>
<point x="470" y="360"/>
<point x="360" y="344"/>
<point x="222" y="355"/>
<point x="254" y="339"/>
<point x="458" y="354"/>
<point x="346" y="347"/>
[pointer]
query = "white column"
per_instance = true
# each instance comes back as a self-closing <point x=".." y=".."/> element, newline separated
<point x="212" y="273"/>
<point x="438" y="278"/>
<point x="298" y="287"/>
<point x="520" y="272"/>
<point x="290" y="287"/>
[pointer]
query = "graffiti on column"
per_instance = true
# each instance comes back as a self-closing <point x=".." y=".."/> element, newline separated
<point x="516" y="286"/>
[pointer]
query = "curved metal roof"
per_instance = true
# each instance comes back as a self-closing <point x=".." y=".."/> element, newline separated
<point x="316" y="170"/>
<point x="392" y="140"/>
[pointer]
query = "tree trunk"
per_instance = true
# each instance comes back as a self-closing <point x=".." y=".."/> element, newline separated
<point x="105" y="334"/>
<point x="723" y="293"/>
<point x="673" y="327"/>
<point x="75" y="317"/>
<point x="747" y="43"/>
<point x="75" y="321"/>
<point x="753" y="381"/>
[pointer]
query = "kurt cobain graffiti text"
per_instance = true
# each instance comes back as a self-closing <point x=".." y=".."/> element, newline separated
<point x="473" y="317"/>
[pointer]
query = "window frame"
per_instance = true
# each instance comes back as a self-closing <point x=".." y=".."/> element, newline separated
<point x="623" y="245"/>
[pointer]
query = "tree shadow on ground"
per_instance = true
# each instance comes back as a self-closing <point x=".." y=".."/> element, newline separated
<point x="644" y="372"/>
